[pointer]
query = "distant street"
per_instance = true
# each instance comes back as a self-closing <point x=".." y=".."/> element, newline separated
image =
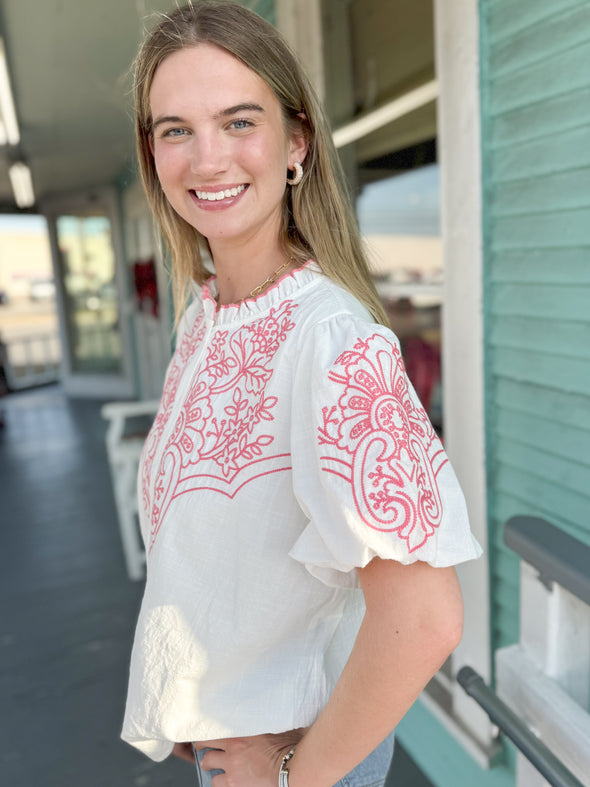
<point x="25" y="316"/>
<point x="29" y="329"/>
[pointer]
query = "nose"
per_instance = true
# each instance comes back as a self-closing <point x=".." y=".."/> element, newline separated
<point x="209" y="155"/>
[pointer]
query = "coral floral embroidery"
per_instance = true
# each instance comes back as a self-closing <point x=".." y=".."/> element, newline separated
<point x="381" y="442"/>
<point x="219" y="432"/>
<point x="189" y="342"/>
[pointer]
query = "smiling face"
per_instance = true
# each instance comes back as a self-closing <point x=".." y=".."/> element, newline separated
<point x="220" y="147"/>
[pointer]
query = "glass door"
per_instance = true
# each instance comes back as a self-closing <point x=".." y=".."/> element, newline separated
<point x="91" y="300"/>
<point x="92" y="296"/>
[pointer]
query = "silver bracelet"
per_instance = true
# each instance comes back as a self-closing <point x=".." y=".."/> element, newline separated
<point x="284" y="772"/>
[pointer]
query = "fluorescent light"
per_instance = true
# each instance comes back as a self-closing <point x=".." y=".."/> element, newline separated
<point x="10" y="132"/>
<point x="22" y="185"/>
<point x="380" y="117"/>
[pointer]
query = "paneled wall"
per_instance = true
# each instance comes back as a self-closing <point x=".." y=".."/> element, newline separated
<point x="536" y="160"/>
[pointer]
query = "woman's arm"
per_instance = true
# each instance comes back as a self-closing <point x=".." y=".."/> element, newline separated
<point x="413" y="622"/>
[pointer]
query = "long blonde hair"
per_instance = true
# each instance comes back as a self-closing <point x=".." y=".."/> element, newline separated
<point x="317" y="221"/>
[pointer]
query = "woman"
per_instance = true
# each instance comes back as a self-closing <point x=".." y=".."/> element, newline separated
<point x="301" y="519"/>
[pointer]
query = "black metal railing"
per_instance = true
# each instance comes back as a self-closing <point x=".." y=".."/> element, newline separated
<point x="557" y="556"/>
<point x="542" y="758"/>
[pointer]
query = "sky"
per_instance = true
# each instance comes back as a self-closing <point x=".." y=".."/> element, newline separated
<point x="22" y="222"/>
<point x="34" y="225"/>
<point x="405" y="204"/>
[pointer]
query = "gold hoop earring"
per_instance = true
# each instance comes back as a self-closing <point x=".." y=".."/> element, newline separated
<point x="298" y="176"/>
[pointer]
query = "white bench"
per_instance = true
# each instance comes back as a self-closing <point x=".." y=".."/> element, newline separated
<point x="124" y="450"/>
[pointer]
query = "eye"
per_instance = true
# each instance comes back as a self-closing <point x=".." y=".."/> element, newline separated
<point x="174" y="132"/>
<point x="240" y="124"/>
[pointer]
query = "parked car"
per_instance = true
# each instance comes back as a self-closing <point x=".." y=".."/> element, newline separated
<point x="42" y="290"/>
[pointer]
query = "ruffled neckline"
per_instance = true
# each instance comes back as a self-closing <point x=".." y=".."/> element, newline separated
<point x="250" y="308"/>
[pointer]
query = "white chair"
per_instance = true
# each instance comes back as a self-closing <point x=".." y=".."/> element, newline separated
<point x="124" y="450"/>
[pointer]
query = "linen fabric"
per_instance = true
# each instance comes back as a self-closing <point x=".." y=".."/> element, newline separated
<point x="288" y="450"/>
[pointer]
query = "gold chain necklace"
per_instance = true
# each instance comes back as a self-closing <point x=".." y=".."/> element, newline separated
<point x="271" y="280"/>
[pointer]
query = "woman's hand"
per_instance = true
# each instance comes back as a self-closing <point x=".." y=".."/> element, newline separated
<point x="184" y="751"/>
<point x="248" y="762"/>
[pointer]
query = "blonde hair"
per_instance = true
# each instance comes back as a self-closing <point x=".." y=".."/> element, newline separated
<point x="318" y="221"/>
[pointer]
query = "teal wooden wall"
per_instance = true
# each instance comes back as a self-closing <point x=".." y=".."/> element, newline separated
<point x="265" y="8"/>
<point x="536" y="189"/>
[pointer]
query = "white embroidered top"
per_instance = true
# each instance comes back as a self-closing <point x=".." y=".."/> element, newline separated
<point x="289" y="448"/>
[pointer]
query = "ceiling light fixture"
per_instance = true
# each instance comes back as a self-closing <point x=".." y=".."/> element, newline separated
<point x="9" y="131"/>
<point x="22" y="184"/>
<point x="398" y="107"/>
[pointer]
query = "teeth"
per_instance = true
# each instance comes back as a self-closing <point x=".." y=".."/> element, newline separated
<point x="213" y="196"/>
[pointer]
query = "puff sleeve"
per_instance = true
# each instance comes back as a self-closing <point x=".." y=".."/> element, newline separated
<point x="369" y="472"/>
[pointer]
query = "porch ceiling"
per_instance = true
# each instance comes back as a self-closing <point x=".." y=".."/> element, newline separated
<point x="69" y="62"/>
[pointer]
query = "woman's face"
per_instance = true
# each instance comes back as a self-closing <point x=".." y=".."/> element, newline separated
<point x="220" y="145"/>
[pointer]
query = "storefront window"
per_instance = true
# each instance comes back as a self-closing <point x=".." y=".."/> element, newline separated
<point x="399" y="219"/>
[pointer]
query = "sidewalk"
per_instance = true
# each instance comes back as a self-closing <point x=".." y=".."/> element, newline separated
<point x="67" y="609"/>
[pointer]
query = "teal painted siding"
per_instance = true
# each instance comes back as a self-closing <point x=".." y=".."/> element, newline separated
<point x="265" y="8"/>
<point x="441" y="758"/>
<point x="536" y="167"/>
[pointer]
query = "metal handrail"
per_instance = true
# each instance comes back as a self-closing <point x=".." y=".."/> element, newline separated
<point x="557" y="556"/>
<point x="548" y="765"/>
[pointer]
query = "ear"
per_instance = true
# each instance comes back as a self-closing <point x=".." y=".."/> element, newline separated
<point x="298" y="144"/>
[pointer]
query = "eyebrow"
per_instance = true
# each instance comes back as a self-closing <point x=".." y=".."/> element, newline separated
<point x="247" y="107"/>
<point x="235" y="110"/>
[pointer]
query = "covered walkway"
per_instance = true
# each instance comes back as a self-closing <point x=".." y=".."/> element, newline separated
<point x="67" y="607"/>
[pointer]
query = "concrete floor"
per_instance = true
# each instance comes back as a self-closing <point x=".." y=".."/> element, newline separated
<point x="67" y="608"/>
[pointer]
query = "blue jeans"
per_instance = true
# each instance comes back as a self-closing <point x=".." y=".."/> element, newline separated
<point x="371" y="772"/>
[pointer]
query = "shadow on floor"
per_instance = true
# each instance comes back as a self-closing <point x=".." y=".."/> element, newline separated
<point x="67" y="608"/>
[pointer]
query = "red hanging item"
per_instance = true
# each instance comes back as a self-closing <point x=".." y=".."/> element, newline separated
<point x="146" y="286"/>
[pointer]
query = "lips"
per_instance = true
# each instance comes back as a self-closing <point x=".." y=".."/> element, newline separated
<point x="217" y="196"/>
